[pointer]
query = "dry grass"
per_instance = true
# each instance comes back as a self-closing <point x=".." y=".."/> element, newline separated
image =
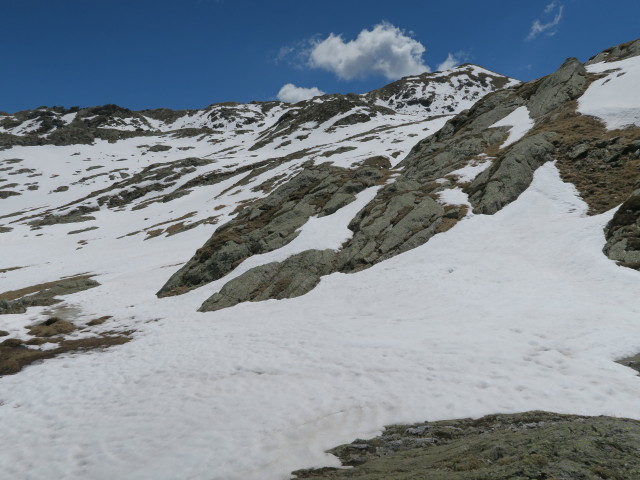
<point x="98" y="321"/>
<point x="52" y="327"/>
<point x="154" y="233"/>
<point x="606" y="174"/>
<point x="452" y="216"/>
<point x="15" y="354"/>
<point x="10" y="269"/>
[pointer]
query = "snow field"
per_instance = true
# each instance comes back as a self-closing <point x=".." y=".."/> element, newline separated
<point x="504" y="313"/>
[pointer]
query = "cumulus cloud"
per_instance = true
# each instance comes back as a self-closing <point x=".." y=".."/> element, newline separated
<point x="384" y="50"/>
<point x="453" y="60"/>
<point x="552" y="16"/>
<point x="291" y="94"/>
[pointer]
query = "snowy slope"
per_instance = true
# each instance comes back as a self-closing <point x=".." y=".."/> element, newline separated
<point x="507" y="312"/>
<point x="259" y="390"/>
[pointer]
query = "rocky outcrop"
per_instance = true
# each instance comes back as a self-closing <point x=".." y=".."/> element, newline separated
<point x="567" y="83"/>
<point x="291" y="278"/>
<point x="508" y="178"/>
<point x="272" y="222"/>
<point x="405" y="213"/>
<point x="623" y="233"/>
<point x="530" y="445"/>
<point x="619" y="52"/>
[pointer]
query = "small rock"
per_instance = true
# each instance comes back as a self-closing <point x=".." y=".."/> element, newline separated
<point x="417" y="430"/>
<point x="359" y="446"/>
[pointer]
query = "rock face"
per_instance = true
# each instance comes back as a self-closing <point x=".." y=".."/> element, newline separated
<point x="294" y="277"/>
<point x="530" y="445"/>
<point x="496" y="187"/>
<point x="558" y="88"/>
<point x="623" y="233"/>
<point x="619" y="52"/>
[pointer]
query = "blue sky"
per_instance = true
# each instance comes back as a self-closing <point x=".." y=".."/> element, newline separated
<point x="191" y="53"/>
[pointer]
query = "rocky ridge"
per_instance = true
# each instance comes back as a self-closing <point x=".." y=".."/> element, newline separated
<point x="408" y="210"/>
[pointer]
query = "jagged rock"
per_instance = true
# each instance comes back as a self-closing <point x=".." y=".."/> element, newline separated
<point x="623" y="233"/>
<point x="386" y="228"/>
<point x="567" y="83"/>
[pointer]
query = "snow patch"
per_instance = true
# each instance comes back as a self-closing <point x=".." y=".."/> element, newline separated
<point x="471" y="171"/>
<point x="454" y="196"/>
<point x="520" y="122"/>
<point x="615" y="99"/>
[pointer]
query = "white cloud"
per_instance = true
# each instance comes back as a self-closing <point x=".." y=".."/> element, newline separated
<point x="549" y="8"/>
<point x="384" y="50"/>
<point x="291" y="94"/>
<point x="552" y="9"/>
<point x="452" y="60"/>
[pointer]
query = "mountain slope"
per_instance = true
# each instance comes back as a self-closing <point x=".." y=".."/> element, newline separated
<point x="428" y="195"/>
<point x="442" y="267"/>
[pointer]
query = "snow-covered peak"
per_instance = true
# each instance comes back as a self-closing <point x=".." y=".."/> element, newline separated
<point x="440" y="93"/>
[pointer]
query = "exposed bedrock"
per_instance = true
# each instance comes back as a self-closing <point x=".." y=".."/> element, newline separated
<point x="407" y="210"/>
<point x="273" y="222"/>
<point x="623" y="233"/>
<point x="523" y="446"/>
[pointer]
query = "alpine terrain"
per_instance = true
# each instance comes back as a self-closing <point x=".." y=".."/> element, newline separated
<point x="232" y="292"/>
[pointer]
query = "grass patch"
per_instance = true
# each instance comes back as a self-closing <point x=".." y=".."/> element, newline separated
<point x="52" y="327"/>
<point x="16" y="354"/>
